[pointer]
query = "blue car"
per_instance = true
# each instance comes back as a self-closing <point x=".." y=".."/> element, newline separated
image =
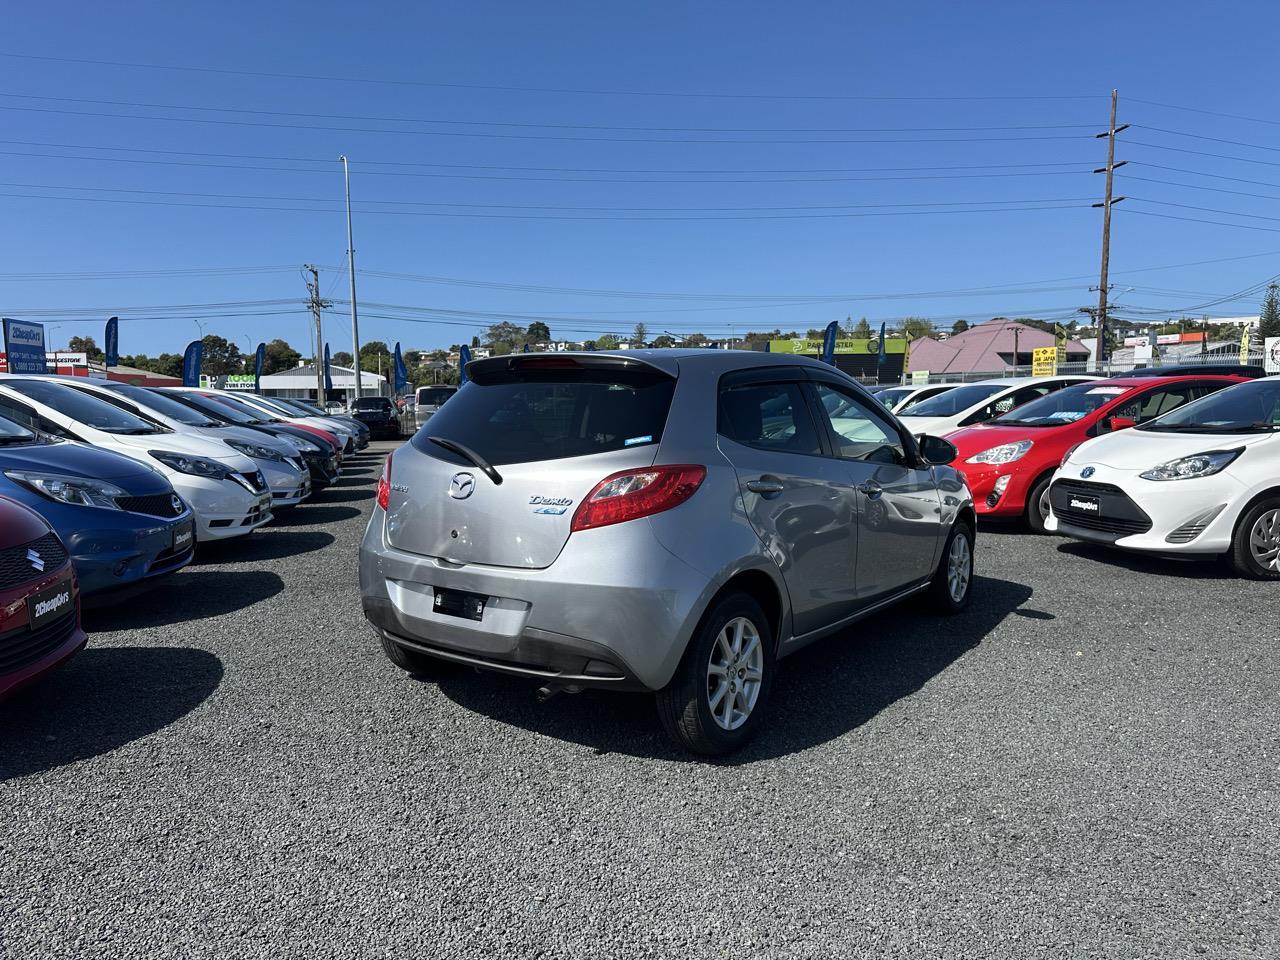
<point x="122" y="523"/>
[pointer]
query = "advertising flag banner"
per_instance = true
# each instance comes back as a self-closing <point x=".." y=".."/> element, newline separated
<point x="1244" y="345"/>
<point x="829" y="339"/>
<point x="113" y="342"/>
<point x="328" y="374"/>
<point x="259" y="358"/>
<point x="191" y="359"/>
<point x="883" y="353"/>
<point x="24" y="346"/>
<point x="401" y="374"/>
<point x="464" y="357"/>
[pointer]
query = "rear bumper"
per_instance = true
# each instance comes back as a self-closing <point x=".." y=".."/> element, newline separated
<point x="578" y="622"/>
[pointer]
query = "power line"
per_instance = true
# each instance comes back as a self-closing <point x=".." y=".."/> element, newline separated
<point x="1201" y="153"/>
<point x="1211" y="113"/>
<point x="1198" y="136"/>
<point x="559" y="90"/>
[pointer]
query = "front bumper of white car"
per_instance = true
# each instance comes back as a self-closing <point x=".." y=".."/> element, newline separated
<point x="289" y="484"/>
<point x="223" y="508"/>
<point x="1119" y="508"/>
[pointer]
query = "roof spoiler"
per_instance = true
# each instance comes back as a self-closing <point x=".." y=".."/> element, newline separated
<point x="551" y="366"/>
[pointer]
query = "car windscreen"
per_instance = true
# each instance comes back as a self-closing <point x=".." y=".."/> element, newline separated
<point x="216" y="409"/>
<point x="1063" y="406"/>
<point x="1252" y="407"/>
<point x="434" y="396"/>
<point x="371" y="403"/>
<point x="13" y="433"/>
<point x="954" y="401"/>
<point x="158" y="402"/>
<point x="891" y="397"/>
<point x="83" y="408"/>
<point x="244" y="409"/>
<point x="294" y="408"/>
<point x="553" y="415"/>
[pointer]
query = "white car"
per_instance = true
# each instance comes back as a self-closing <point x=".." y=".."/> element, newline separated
<point x="348" y="434"/>
<point x="898" y="398"/>
<point x="428" y="400"/>
<point x="970" y="403"/>
<point x="225" y="490"/>
<point x="1201" y="480"/>
<point x="279" y="459"/>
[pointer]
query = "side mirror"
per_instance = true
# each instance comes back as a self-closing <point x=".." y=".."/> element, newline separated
<point x="1120" y="423"/>
<point x="935" y="451"/>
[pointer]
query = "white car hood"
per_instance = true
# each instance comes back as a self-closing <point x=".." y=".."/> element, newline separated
<point x="189" y="444"/>
<point x="934" y="426"/>
<point x="1144" y="449"/>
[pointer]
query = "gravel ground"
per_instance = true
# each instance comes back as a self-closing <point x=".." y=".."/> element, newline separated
<point x="1083" y="765"/>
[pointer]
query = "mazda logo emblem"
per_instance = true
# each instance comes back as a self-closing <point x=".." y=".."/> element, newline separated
<point x="462" y="486"/>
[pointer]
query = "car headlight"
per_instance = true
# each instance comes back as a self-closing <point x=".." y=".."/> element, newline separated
<point x="1005" y="453"/>
<point x="305" y="446"/>
<point x="1197" y="465"/>
<point x="195" y="466"/>
<point x="80" y="491"/>
<point x="253" y="451"/>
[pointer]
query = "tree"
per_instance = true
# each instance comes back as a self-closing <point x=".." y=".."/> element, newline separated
<point x="606" y="341"/>
<point x="960" y="326"/>
<point x="695" y="340"/>
<point x="917" y="327"/>
<point x="86" y="346"/>
<point x="640" y="336"/>
<point x="862" y="330"/>
<point x="167" y="364"/>
<point x="663" y="342"/>
<point x="279" y="356"/>
<point x="341" y="358"/>
<point x="538" y="332"/>
<point x="220" y="356"/>
<point x="1269" y="324"/>
<point x="504" y="332"/>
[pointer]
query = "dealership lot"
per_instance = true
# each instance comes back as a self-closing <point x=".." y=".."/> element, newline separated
<point x="1082" y="764"/>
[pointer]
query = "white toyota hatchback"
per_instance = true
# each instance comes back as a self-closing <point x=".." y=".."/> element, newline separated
<point x="1201" y="480"/>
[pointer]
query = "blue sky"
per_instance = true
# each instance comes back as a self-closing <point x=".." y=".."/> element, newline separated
<point x="532" y="193"/>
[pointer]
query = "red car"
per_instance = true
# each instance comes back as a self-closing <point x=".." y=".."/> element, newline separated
<point x="1010" y="460"/>
<point x="39" y="598"/>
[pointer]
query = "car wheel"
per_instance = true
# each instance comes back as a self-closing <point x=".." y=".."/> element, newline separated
<point x="1038" y="504"/>
<point x="713" y="705"/>
<point x="1255" y="551"/>
<point x="418" y="664"/>
<point x="953" y="582"/>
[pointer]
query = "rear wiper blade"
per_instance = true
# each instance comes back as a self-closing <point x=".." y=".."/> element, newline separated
<point x="471" y="455"/>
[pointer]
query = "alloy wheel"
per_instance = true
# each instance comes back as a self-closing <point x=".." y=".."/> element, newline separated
<point x="1264" y="540"/>
<point x="959" y="567"/>
<point x="735" y="670"/>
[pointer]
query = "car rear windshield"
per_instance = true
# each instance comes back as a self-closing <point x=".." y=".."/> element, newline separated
<point x="434" y="396"/>
<point x="892" y="396"/>
<point x="1063" y="406"/>
<point x="83" y="408"/>
<point x="1252" y="407"/>
<point x="371" y="403"/>
<point x="953" y="401"/>
<point x="553" y="415"/>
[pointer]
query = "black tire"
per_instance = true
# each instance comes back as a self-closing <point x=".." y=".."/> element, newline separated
<point x="1241" y="554"/>
<point x="1037" y="504"/>
<point x="684" y="705"/>
<point x="944" y="600"/>
<point x="417" y="664"/>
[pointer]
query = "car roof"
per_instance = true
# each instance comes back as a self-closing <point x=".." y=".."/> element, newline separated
<point x="1174" y="378"/>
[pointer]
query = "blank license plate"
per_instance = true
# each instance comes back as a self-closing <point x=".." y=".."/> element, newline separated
<point x="455" y="603"/>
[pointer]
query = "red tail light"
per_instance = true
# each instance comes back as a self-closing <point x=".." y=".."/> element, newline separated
<point x="384" y="485"/>
<point x="632" y="494"/>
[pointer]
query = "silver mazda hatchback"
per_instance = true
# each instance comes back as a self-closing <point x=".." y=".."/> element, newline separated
<point x="675" y="521"/>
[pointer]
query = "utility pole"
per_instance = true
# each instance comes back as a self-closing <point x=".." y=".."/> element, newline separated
<point x="351" y="265"/>
<point x="1106" y="203"/>
<point x="317" y="304"/>
<point x="1016" y="331"/>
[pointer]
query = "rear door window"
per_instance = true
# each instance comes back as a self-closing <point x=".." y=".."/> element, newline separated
<point x="551" y="416"/>
<point x="768" y="416"/>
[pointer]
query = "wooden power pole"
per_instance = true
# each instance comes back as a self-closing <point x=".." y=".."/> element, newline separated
<point x="1106" y="203"/>
<point x="317" y="304"/>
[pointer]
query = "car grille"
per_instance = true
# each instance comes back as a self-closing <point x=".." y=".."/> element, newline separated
<point x="21" y="647"/>
<point x="15" y="568"/>
<point x="254" y="481"/>
<point x="1117" y="515"/>
<point x="157" y="505"/>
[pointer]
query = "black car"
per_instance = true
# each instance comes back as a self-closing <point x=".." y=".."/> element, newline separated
<point x="379" y="414"/>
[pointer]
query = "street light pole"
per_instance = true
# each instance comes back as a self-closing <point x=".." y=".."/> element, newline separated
<point x="351" y="265"/>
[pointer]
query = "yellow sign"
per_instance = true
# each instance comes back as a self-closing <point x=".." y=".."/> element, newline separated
<point x="1044" y="361"/>
<point x="1061" y="355"/>
<point x="1244" y="345"/>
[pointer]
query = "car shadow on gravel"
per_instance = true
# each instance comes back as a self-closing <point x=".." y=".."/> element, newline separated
<point x="313" y="515"/>
<point x="269" y="544"/>
<point x="191" y="594"/>
<point x="100" y="700"/>
<point x="337" y="495"/>
<point x="821" y="693"/>
<point x="1188" y="568"/>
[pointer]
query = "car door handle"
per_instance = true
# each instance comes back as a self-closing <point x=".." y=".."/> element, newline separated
<point x="766" y="486"/>
<point x="872" y="490"/>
